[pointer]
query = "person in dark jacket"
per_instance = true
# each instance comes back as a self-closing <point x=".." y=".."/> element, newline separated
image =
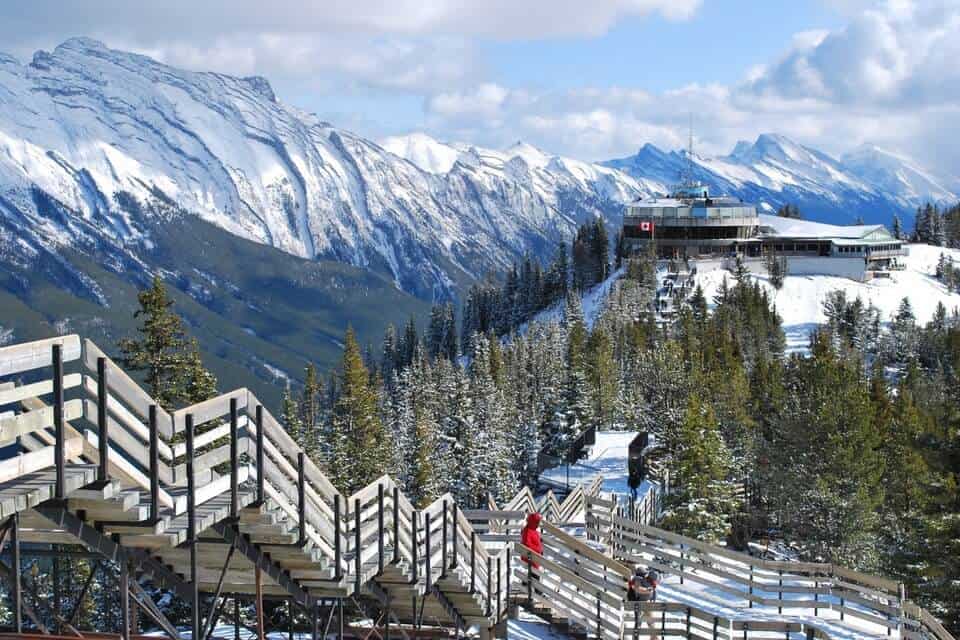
<point x="530" y="536"/>
<point x="643" y="588"/>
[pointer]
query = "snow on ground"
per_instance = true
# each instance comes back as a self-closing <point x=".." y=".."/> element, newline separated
<point x="592" y="302"/>
<point x="529" y="627"/>
<point x="608" y="457"/>
<point x="800" y="301"/>
<point x="723" y="603"/>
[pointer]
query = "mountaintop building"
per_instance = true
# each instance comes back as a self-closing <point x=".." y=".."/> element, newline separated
<point x="692" y="225"/>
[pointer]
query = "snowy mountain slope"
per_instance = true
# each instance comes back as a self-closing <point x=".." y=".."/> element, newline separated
<point x="774" y="170"/>
<point x="898" y="174"/>
<point x="97" y="130"/>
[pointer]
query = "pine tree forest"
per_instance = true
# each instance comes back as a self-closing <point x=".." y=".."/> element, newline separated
<point x="849" y="453"/>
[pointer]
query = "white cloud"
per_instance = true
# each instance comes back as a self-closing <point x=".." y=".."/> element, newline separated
<point x="889" y="77"/>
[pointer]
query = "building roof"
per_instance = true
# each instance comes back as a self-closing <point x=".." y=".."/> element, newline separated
<point x="791" y="228"/>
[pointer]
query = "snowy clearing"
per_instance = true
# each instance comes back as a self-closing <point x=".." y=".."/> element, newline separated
<point x="800" y="301"/>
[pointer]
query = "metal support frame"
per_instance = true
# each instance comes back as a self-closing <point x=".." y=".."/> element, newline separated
<point x="234" y="462"/>
<point x="414" y="569"/>
<point x="261" y="490"/>
<point x="103" y="437"/>
<point x="444" y="541"/>
<point x="75" y="610"/>
<point x="302" y="499"/>
<point x="125" y="601"/>
<point x="455" y="561"/>
<point x="380" y="531"/>
<point x="337" y="550"/>
<point x="489" y="586"/>
<point x="358" y="558"/>
<point x="428" y="559"/>
<point x="217" y="604"/>
<point x="17" y="589"/>
<point x="154" y="465"/>
<point x="60" y="490"/>
<point x="473" y="562"/>
<point x="143" y="600"/>
<point x="396" y="525"/>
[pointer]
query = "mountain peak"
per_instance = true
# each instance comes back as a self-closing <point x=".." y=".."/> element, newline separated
<point x="533" y="156"/>
<point x="80" y="43"/>
<point x="262" y="86"/>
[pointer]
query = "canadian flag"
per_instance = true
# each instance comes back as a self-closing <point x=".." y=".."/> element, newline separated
<point x="646" y="227"/>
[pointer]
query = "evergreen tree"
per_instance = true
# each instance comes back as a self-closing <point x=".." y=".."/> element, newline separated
<point x="701" y="503"/>
<point x="824" y="472"/>
<point x="897" y="227"/>
<point x="360" y="449"/>
<point x="174" y="373"/>
<point x="290" y="415"/>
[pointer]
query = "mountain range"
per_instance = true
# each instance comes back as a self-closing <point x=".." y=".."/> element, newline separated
<point x="276" y="228"/>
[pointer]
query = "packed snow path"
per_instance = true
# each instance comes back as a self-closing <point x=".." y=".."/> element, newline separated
<point x="235" y="506"/>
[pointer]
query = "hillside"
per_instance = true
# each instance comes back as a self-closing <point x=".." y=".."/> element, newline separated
<point x="260" y="314"/>
<point x="800" y="301"/>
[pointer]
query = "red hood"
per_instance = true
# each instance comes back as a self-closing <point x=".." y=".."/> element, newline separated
<point x="533" y="520"/>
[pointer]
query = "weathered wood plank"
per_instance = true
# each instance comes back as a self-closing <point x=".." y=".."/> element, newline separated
<point x="39" y="420"/>
<point x="27" y="356"/>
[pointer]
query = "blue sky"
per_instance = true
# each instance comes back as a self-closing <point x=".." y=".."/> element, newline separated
<point x="592" y="79"/>
<point x="717" y="44"/>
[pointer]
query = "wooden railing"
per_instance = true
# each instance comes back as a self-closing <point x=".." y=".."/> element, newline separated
<point x="216" y="447"/>
<point x="772" y="584"/>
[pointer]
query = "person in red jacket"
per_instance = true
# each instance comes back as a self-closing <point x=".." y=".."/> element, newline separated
<point x="530" y="536"/>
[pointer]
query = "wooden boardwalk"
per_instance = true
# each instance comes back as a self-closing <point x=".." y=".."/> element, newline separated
<point x="217" y="499"/>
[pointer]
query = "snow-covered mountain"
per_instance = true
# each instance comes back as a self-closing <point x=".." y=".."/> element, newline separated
<point x="899" y="175"/>
<point x="101" y="132"/>
<point x="95" y="141"/>
<point x="775" y="170"/>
